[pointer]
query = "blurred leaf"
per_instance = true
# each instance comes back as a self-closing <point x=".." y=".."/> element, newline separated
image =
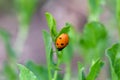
<point x="51" y="24"/>
<point x="95" y="9"/>
<point x="48" y="47"/>
<point x="113" y="54"/>
<point x="48" y="43"/>
<point x="6" y="39"/>
<point x="94" y="70"/>
<point x="81" y="75"/>
<point x="10" y="72"/>
<point x="26" y="74"/>
<point x="93" y="34"/>
<point x="93" y="41"/>
<point x="40" y="71"/>
<point x="65" y="29"/>
<point x="25" y="9"/>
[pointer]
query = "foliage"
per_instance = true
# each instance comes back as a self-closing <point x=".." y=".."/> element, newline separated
<point x="92" y="42"/>
<point x="93" y="73"/>
<point x="93" y="34"/>
<point x="26" y="74"/>
<point x="94" y="70"/>
<point x="114" y="59"/>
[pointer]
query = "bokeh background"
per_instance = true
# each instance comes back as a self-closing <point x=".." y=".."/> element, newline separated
<point x="75" y="12"/>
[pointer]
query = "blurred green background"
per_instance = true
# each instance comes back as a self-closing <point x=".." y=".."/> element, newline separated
<point x="22" y="22"/>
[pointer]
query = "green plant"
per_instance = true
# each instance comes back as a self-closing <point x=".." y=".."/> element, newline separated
<point x="63" y="56"/>
<point x="93" y="73"/>
<point x="49" y="39"/>
<point x="114" y="59"/>
<point x="92" y="43"/>
<point x="26" y="74"/>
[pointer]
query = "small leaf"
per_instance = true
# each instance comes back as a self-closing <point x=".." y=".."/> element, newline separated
<point x="26" y="74"/>
<point x="81" y="75"/>
<point x="113" y="54"/>
<point x="65" y="29"/>
<point x="40" y="71"/>
<point x="94" y="70"/>
<point x="51" y="24"/>
<point x="48" y="42"/>
<point x="48" y="47"/>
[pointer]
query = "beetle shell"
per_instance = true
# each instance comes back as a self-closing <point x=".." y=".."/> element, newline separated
<point x="62" y="41"/>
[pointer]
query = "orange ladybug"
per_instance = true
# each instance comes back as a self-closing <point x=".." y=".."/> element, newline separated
<point x="62" y="41"/>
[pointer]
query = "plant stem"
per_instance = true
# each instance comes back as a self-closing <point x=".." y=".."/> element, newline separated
<point x="59" y="55"/>
<point x="56" y="71"/>
<point x="49" y="70"/>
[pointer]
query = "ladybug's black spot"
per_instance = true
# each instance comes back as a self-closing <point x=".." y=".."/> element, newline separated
<point x="67" y="43"/>
<point x="59" y="49"/>
<point x="62" y="44"/>
<point x="57" y="44"/>
<point x="60" y="38"/>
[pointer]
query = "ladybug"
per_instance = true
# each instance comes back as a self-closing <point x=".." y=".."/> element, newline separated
<point x="62" y="41"/>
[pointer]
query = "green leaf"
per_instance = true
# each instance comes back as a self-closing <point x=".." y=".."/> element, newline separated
<point x="26" y="74"/>
<point x="65" y="29"/>
<point x="81" y="75"/>
<point x="40" y="71"/>
<point x="93" y="41"/>
<point x="94" y="70"/>
<point x="48" y="43"/>
<point x="51" y="24"/>
<point x="114" y="59"/>
<point x="93" y="34"/>
<point x="48" y="47"/>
